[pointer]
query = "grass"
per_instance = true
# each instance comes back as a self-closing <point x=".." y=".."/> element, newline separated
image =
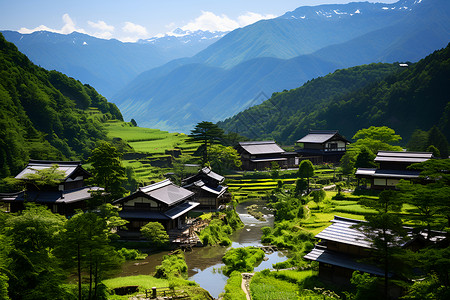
<point x="265" y="286"/>
<point x="233" y="290"/>
<point x="143" y="281"/>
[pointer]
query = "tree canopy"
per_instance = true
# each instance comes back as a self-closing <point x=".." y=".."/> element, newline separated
<point x="206" y="133"/>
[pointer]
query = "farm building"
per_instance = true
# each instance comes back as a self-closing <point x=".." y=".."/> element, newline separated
<point x="260" y="155"/>
<point x="321" y="146"/>
<point x="393" y="168"/>
<point x="208" y="189"/>
<point x="344" y="249"/>
<point x="63" y="198"/>
<point x="162" y="202"/>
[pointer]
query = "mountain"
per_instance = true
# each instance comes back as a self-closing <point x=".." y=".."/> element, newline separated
<point x="304" y="31"/>
<point x="411" y="98"/>
<point x="211" y="86"/>
<point x="186" y="42"/>
<point x="45" y="114"/>
<point x="107" y="65"/>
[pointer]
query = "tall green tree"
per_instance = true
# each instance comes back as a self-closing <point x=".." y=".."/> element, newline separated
<point x="107" y="169"/>
<point x="377" y="138"/>
<point x="34" y="269"/>
<point x="365" y="158"/>
<point x="437" y="139"/>
<point x="85" y="247"/>
<point x="223" y="158"/>
<point x="206" y="133"/>
<point x="306" y="170"/>
<point x="384" y="230"/>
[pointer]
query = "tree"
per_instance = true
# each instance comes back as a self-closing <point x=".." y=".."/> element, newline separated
<point x="85" y="247"/>
<point x="108" y="171"/>
<point x="384" y="230"/>
<point x="376" y="139"/>
<point x="46" y="176"/>
<point x="134" y="123"/>
<point x="206" y="133"/>
<point x="418" y="141"/>
<point x="224" y="158"/>
<point x="306" y="170"/>
<point x="155" y="233"/>
<point x="33" y="235"/>
<point x="365" y="158"/>
<point x="437" y="139"/>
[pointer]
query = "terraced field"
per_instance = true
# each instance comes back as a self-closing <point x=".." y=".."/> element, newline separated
<point x="152" y="151"/>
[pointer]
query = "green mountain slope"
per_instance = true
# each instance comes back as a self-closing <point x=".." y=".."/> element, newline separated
<point x="45" y="114"/>
<point x="409" y="99"/>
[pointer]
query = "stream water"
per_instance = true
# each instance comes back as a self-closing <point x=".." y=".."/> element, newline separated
<point x="205" y="263"/>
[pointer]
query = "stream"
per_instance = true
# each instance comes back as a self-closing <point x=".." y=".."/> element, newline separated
<point x="204" y="263"/>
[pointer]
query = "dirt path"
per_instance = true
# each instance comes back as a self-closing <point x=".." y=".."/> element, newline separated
<point x="245" y="285"/>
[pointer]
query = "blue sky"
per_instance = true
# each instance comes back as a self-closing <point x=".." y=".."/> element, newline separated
<point x="134" y="19"/>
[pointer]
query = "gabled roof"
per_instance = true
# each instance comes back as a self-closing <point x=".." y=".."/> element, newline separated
<point x="406" y="156"/>
<point x="164" y="191"/>
<point x="47" y="197"/>
<point x="323" y="255"/>
<point x="341" y="231"/>
<point x="207" y="171"/>
<point x="406" y="174"/>
<point x="218" y="191"/>
<point x="262" y="147"/>
<point x="70" y="168"/>
<point x="321" y="136"/>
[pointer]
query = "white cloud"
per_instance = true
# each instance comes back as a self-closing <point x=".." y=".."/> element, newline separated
<point x="212" y="22"/>
<point x="105" y="31"/>
<point x="68" y="27"/>
<point x="101" y="25"/>
<point x="251" y="17"/>
<point x="134" y="29"/>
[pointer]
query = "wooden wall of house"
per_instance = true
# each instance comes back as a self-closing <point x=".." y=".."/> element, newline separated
<point x="347" y="249"/>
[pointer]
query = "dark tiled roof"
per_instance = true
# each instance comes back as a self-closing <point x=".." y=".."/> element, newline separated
<point x="68" y="167"/>
<point x="345" y="261"/>
<point x="67" y="196"/>
<point x="263" y="147"/>
<point x="399" y="156"/>
<point x="341" y="231"/>
<point x="320" y="136"/>
<point x="407" y="174"/>
<point x="207" y="171"/>
<point x="181" y="209"/>
<point x="164" y="191"/>
<point x="218" y="191"/>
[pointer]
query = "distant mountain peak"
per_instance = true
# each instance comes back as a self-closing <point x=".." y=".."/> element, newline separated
<point x="185" y="36"/>
<point x="338" y="11"/>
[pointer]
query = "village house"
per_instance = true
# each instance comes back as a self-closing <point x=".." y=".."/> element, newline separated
<point x="343" y="248"/>
<point x="393" y="167"/>
<point x="63" y="198"/>
<point x="208" y="189"/>
<point x="162" y="202"/>
<point x="259" y="155"/>
<point x="322" y="146"/>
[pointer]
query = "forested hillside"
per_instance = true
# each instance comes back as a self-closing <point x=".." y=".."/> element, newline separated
<point x="412" y="98"/>
<point x="45" y="114"/>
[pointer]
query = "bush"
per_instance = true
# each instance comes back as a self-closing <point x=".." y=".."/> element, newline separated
<point x="172" y="266"/>
<point x="233" y="290"/>
<point x="130" y="254"/>
<point x="155" y="233"/>
<point x="242" y="259"/>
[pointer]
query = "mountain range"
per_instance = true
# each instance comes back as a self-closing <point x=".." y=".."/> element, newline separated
<point x="247" y="65"/>
<point x="405" y="98"/>
<point x="107" y="65"/>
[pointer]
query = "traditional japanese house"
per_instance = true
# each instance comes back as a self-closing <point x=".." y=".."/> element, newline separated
<point x="63" y="198"/>
<point x="260" y="155"/>
<point x="393" y="167"/>
<point x="321" y="146"/>
<point x="208" y="189"/>
<point x="344" y="249"/>
<point x="162" y="202"/>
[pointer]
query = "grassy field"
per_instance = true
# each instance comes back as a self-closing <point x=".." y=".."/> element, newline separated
<point x="149" y="157"/>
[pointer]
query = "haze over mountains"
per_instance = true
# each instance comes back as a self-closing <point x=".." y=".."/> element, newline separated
<point x="282" y="53"/>
<point x="107" y="64"/>
<point x="245" y="66"/>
